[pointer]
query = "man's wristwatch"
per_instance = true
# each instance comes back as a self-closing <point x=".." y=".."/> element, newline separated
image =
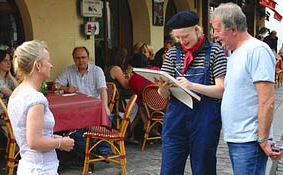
<point x="261" y="140"/>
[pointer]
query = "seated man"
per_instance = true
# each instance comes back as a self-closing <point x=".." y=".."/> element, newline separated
<point x="87" y="79"/>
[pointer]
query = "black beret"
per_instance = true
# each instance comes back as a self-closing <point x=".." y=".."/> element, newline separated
<point x="183" y="19"/>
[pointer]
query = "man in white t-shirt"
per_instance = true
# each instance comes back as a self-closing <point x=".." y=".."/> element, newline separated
<point x="248" y="100"/>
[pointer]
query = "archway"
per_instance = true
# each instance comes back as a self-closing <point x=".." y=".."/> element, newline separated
<point x="141" y="20"/>
<point x="11" y="26"/>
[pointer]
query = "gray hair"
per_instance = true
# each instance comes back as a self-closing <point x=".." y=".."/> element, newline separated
<point x="231" y="15"/>
<point x="25" y="55"/>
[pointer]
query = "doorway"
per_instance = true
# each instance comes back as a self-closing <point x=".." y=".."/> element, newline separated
<point x="11" y="26"/>
<point x="116" y="31"/>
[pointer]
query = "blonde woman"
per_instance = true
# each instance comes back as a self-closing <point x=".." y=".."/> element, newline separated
<point x="147" y="50"/>
<point x="31" y="119"/>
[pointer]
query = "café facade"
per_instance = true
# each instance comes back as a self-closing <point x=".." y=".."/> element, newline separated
<point x="101" y="25"/>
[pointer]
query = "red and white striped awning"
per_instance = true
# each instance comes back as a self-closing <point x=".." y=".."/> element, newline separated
<point x="271" y="5"/>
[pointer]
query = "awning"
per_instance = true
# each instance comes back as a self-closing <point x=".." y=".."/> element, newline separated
<point x="271" y="5"/>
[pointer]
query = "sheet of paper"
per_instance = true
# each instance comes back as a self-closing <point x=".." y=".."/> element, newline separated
<point x="66" y="95"/>
<point x="179" y="92"/>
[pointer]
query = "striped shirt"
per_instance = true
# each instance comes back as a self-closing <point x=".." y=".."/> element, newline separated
<point x="89" y="84"/>
<point x="217" y="63"/>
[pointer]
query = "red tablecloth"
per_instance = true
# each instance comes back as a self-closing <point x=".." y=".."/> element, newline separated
<point x="77" y="111"/>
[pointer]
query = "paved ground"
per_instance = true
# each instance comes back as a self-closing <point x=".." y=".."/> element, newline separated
<point x="276" y="167"/>
<point x="148" y="162"/>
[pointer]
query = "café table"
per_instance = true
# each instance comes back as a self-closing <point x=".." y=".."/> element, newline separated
<point x="76" y="110"/>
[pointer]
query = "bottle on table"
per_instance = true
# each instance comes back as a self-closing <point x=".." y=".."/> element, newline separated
<point x="43" y="88"/>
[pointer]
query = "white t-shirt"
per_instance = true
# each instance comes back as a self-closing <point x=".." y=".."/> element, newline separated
<point x="252" y="62"/>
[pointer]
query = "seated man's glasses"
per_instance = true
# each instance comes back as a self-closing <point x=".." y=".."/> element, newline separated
<point x="80" y="57"/>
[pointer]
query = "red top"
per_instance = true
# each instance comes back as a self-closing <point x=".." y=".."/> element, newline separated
<point x="136" y="84"/>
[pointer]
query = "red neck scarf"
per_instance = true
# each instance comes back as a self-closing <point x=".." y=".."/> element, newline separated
<point x="189" y="56"/>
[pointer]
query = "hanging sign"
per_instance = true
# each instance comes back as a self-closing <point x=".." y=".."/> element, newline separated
<point x="271" y="5"/>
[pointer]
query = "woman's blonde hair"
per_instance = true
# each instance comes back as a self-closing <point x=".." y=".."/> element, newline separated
<point x="137" y="46"/>
<point x="25" y="55"/>
<point x="147" y="47"/>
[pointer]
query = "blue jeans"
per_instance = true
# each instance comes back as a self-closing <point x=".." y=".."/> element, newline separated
<point x="247" y="158"/>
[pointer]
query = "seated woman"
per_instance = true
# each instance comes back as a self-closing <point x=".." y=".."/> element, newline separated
<point x="137" y="83"/>
<point x="115" y="72"/>
<point x="119" y="74"/>
<point x="7" y="82"/>
<point x="147" y="50"/>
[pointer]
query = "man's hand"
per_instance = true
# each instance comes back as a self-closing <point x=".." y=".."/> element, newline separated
<point x="266" y="147"/>
<point x="72" y="89"/>
<point x="164" y="86"/>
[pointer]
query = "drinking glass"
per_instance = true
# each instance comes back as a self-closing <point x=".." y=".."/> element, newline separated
<point x="57" y="88"/>
<point x="126" y="74"/>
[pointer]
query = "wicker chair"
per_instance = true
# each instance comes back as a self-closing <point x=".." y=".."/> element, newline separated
<point x="111" y="94"/>
<point x="11" y="153"/>
<point x="114" y="137"/>
<point x="155" y="106"/>
<point x="113" y="101"/>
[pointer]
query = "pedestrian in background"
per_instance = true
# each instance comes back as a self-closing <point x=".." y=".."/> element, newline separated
<point x="248" y="100"/>
<point x="263" y="31"/>
<point x="31" y="119"/>
<point x="198" y="65"/>
<point x="271" y="40"/>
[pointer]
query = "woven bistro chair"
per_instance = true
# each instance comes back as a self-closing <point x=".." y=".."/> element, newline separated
<point x="11" y="152"/>
<point x="155" y="107"/>
<point x="114" y="137"/>
<point x="111" y="94"/>
<point x="113" y="101"/>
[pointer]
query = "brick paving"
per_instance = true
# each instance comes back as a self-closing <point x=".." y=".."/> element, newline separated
<point x="277" y="166"/>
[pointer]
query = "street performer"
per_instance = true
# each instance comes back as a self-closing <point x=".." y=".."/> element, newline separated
<point x="200" y="66"/>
